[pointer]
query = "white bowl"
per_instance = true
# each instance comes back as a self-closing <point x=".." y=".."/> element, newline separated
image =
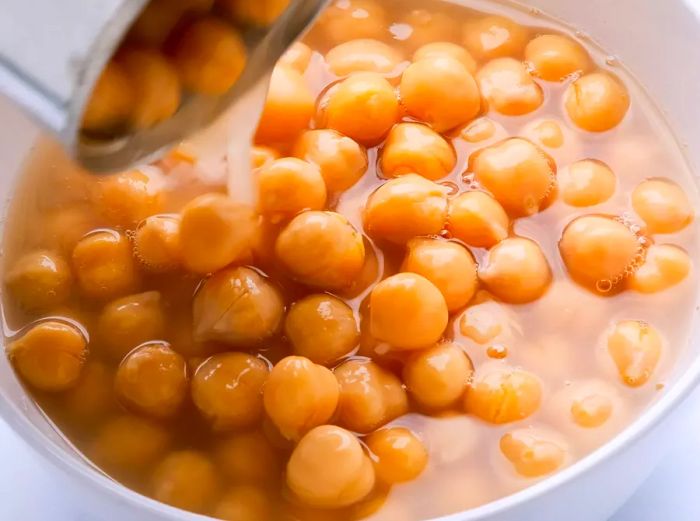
<point x="659" y="41"/>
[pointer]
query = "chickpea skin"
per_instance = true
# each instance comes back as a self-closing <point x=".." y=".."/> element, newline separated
<point x="157" y="243"/>
<point x="437" y="377"/>
<point x="412" y="148"/>
<point x="532" y="452"/>
<point x="111" y="103"/>
<point x="407" y="311"/>
<point x="662" y="205"/>
<point x="185" y="479"/>
<point x="665" y="266"/>
<point x="39" y="280"/>
<point x="289" y="186"/>
<point x="399" y="455"/>
<point x="244" y="502"/>
<point x="508" y="87"/>
<point x="435" y="49"/>
<point x="227" y="390"/>
<point x="586" y="183"/>
<point x="128" y="198"/>
<point x="329" y="469"/>
<point x="596" y="102"/>
<point x="363" y="55"/>
<point x="494" y="37"/>
<point x="441" y="92"/>
<point x="248" y="458"/>
<point x="554" y="57"/>
<point x="635" y="348"/>
<point x="343" y="21"/>
<point x="49" y="355"/>
<point x="477" y="219"/>
<point x="297" y="57"/>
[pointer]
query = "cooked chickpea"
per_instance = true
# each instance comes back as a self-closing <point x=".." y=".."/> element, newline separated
<point x="111" y="103"/>
<point x="500" y="394"/>
<point x="532" y="453"/>
<point x="346" y="20"/>
<point x="64" y="227"/>
<point x="342" y="161"/>
<point x="261" y="156"/>
<point x="590" y="409"/>
<point x="209" y="56"/>
<point x="289" y="186"/>
<point x="436" y="49"/>
<point x="322" y="328"/>
<point x="407" y="311"/>
<point x="586" y="183"/>
<point x="227" y="389"/>
<point x="260" y="14"/>
<point x="508" y="87"/>
<point x="437" y="377"/>
<point x="321" y="249"/>
<point x="363" y="55"/>
<point x="248" y="458"/>
<point x="596" y="102"/>
<point x="157" y="243"/>
<point x="130" y="321"/>
<point x="481" y="129"/>
<point x="244" y="502"/>
<point x="92" y="396"/>
<point x="399" y="455"/>
<point x="185" y="479"/>
<point x="364" y="107"/>
<point x="516" y="271"/>
<point x="412" y="148"/>
<point x="297" y="57"/>
<point x="404" y="208"/>
<point x="635" y="348"/>
<point x="519" y="174"/>
<point x="39" y="280"/>
<point x="369" y="396"/>
<point x="441" y="92"/>
<point x="446" y="264"/>
<point x="128" y="198"/>
<point x="662" y="205"/>
<point x="158" y="19"/>
<point x="329" y="468"/>
<point x="426" y="26"/>
<point x="665" y="266"/>
<point x="215" y="232"/>
<point x="548" y="132"/>
<point x="237" y="306"/>
<point x="484" y="322"/>
<point x="494" y="37"/>
<point x="555" y="57"/>
<point x="477" y="219"/>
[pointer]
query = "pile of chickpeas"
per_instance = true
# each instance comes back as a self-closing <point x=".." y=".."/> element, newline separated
<point x="255" y="362"/>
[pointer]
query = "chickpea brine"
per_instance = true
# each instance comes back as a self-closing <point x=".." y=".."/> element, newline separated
<point x="469" y="263"/>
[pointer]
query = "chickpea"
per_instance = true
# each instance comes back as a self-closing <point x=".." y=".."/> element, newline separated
<point x="412" y="148"/>
<point x="63" y="228"/>
<point x="237" y="306"/>
<point x="481" y="129"/>
<point x="346" y="20"/>
<point x="288" y="108"/>
<point x="484" y="322"/>
<point x="185" y="479"/>
<point x="500" y="394"/>
<point x="329" y="469"/>
<point x="555" y="57"/>
<point x="407" y="311"/>
<point x="158" y="19"/>
<point x="321" y="249"/>
<point x="363" y="56"/>
<point x="39" y="280"/>
<point x="596" y="102"/>
<point x="297" y="57"/>
<point x="532" y="452"/>
<point x="508" y="87"/>
<point x="244" y="502"/>
<point x="437" y="377"/>
<point x="322" y="328"/>
<point x="369" y="396"/>
<point x="436" y="49"/>
<point x="210" y="56"/>
<point x="404" y="208"/>
<point x="261" y="156"/>
<point x="342" y="161"/>
<point x="157" y="243"/>
<point x="215" y="232"/>
<point x="248" y="458"/>
<point x="477" y="219"/>
<point x="548" y="132"/>
<point x="426" y="26"/>
<point x="519" y="174"/>
<point x="111" y="103"/>
<point x="665" y="266"/>
<point x="399" y="455"/>
<point x="441" y="92"/>
<point x="130" y="321"/>
<point x="92" y="396"/>
<point x="635" y="347"/>
<point x="662" y="205"/>
<point x="363" y="106"/>
<point x="227" y="390"/>
<point x="586" y="183"/>
<point x="49" y="355"/>
<point x="260" y="14"/>
<point x="494" y="37"/>
<point x="126" y="199"/>
<point x="289" y="186"/>
<point x="591" y="407"/>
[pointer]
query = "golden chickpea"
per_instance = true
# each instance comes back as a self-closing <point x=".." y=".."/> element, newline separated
<point x="596" y="102"/>
<point x="548" y="132"/>
<point x="39" y="280"/>
<point x="297" y="57"/>
<point x="244" y="502"/>
<point x="519" y="174"/>
<point x="635" y="347"/>
<point x="500" y="394"/>
<point x="481" y="129"/>
<point x="261" y="156"/>
<point x="185" y="479"/>
<point x="508" y="87"/>
<point x="130" y="321"/>
<point x="321" y="249"/>
<point x="404" y="208"/>
<point x="532" y="452"/>
<point x="346" y="20"/>
<point x="494" y="37"/>
<point x="289" y="107"/>
<point x="227" y="389"/>
<point x="49" y="355"/>
<point x="261" y="14"/>
<point x="407" y="311"/>
<point x="342" y="161"/>
<point x="591" y="408"/>
<point x="64" y="227"/>
<point x="412" y="148"/>
<point x="484" y="322"/>
<point x="399" y="455"/>
<point x="329" y="469"/>
<point x="436" y="49"/>
<point x="215" y="232"/>
<point x="111" y="103"/>
<point x="93" y="395"/>
<point x="363" y="106"/>
<point x="665" y="266"/>
<point x="322" y="328"/>
<point x="158" y="19"/>
<point x="248" y="458"/>
<point x="209" y="56"/>
<point x="555" y="57"/>
<point x="586" y="183"/>
<point x="157" y="243"/>
<point x="289" y="186"/>
<point x="441" y="92"/>
<point x="363" y="56"/>
<point x="662" y="205"/>
<point x="437" y="377"/>
<point x="128" y="198"/>
<point x="424" y="27"/>
<point x="477" y="219"/>
<point x="369" y="396"/>
<point x="238" y="306"/>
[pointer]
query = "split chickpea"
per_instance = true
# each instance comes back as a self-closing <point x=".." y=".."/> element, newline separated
<point x="635" y="347"/>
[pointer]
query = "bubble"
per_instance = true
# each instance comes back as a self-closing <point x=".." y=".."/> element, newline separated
<point x="604" y="286"/>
